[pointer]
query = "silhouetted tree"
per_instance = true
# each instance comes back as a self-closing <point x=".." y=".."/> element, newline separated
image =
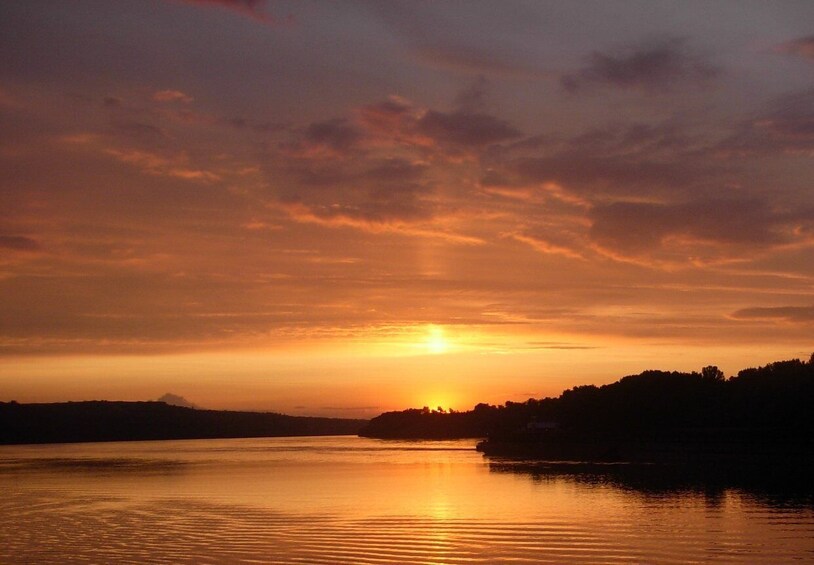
<point x="712" y="373"/>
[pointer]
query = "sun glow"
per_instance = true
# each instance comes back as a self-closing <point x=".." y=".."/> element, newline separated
<point x="434" y="402"/>
<point x="436" y="343"/>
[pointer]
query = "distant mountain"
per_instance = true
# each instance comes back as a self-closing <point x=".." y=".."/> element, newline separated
<point x="175" y="400"/>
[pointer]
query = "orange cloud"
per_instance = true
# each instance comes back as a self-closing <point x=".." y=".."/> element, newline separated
<point x="157" y="165"/>
<point x="801" y="47"/>
<point x="303" y="214"/>
<point x="547" y="247"/>
<point x="251" y="8"/>
<point x="172" y="96"/>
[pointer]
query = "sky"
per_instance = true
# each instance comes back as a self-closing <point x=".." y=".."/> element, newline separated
<point x="343" y="208"/>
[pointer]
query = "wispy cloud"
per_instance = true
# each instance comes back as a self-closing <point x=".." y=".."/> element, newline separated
<point x="784" y="125"/>
<point x="154" y="164"/>
<point x="474" y="61"/>
<point x="255" y="9"/>
<point x="465" y="128"/>
<point x="657" y="64"/>
<point x="801" y="47"/>
<point x="798" y="314"/>
<point x="547" y="247"/>
<point x="304" y="214"/>
<point x="329" y="138"/>
<point x="692" y="231"/>
<point x="172" y="96"/>
<point x="19" y="243"/>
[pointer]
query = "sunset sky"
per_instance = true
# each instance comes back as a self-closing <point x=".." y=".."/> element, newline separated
<point x="342" y="208"/>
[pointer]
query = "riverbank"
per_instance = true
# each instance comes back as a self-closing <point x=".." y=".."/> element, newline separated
<point x="695" y="447"/>
<point x="94" y="421"/>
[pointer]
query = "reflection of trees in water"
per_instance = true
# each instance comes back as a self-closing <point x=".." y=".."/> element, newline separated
<point x="785" y="485"/>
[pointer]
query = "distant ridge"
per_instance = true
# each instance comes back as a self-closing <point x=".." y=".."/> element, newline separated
<point x="68" y="422"/>
<point x="175" y="400"/>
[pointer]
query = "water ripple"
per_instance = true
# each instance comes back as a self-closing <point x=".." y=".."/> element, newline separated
<point x="39" y="528"/>
<point x="350" y="500"/>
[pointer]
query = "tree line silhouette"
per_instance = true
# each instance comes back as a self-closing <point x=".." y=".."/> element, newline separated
<point x="765" y="403"/>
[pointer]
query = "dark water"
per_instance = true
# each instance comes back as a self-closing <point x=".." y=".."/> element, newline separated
<point x="353" y="500"/>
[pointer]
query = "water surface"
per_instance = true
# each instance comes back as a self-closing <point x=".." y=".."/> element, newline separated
<point x="355" y="500"/>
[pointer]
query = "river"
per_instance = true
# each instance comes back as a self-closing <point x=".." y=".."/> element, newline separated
<point x="353" y="500"/>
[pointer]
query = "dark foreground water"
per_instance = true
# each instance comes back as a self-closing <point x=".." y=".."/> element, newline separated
<point x="353" y="500"/>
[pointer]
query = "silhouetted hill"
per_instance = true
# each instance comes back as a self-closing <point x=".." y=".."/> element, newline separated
<point x="760" y="407"/>
<point x="125" y="421"/>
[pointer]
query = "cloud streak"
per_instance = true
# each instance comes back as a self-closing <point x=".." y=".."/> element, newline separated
<point x="466" y="129"/>
<point x="171" y="96"/>
<point x="784" y="125"/>
<point x="801" y="47"/>
<point x="794" y="314"/>
<point x="655" y="65"/>
<point x="639" y="227"/>
<point x="19" y="243"/>
<point x="254" y="9"/>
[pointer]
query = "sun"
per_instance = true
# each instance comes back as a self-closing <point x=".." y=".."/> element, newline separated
<point x="436" y="343"/>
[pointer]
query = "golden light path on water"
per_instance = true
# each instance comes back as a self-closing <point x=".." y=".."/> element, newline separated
<point x="353" y="500"/>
